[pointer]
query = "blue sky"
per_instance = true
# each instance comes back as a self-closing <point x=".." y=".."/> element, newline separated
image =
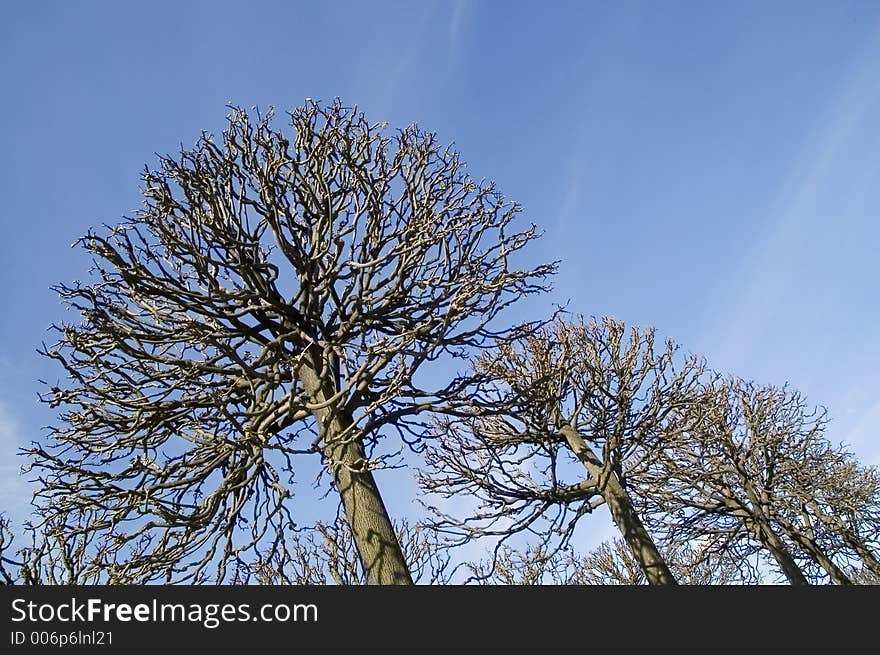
<point x="708" y="168"/>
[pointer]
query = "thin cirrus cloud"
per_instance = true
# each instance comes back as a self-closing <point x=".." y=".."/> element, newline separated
<point x="777" y="253"/>
<point x="456" y="23"/>
<point x="800" y="282"/>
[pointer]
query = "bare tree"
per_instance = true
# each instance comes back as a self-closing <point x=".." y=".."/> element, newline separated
<point x="579" y="410"/>
<point x="835" y="504"/>
<point x="727" y="480"/>
<point x="611" y="563"/>
<point x="865" y="576"/>
<point x="8" y="565"/>
<point x="280" y="294"/>
<point x="531" y="566"/>
<point x="53" y="556"/>
<point x="326" y="554"/>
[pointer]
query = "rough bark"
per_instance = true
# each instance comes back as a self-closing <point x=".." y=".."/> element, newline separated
<point x="371" y="527"/>
<point x="380" y="553"/>
<point x="622" y="512"/>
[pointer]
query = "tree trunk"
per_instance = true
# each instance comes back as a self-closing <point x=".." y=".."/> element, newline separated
<point x="622" y="511"/>
<point x="368" y="520"/>
<point x="774" y="544"/>
<point x="853" y="541"/>
<point x="818" y="555"/>
<point x="371" y="528"/>
<point x="767" y="535"/>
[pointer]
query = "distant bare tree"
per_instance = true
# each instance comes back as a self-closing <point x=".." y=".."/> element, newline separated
<point x="535" y="565"/>
<point x="835" y="504"/>
<point x="727" y="480"/>
<point x="865" y="576"/>
<point x="53" y="556"/>
<point x="326" y="554"/>
<point x="8" y="564"/>
<point x="611" y="563"/>
<point x="579" y="410"/>
<point x="280" y="294"/>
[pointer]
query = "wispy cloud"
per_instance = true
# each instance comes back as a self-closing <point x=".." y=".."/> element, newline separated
<point x="766" y="277"/>
<point x="384" y="72"/>
<point x="781" y="264"/>
<point x="574" y="193"/>
<point x="456" y="21"/>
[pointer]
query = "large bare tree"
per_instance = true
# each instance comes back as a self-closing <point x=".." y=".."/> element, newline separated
<point x="572" y="415"/>
<point x="280" y="293"/>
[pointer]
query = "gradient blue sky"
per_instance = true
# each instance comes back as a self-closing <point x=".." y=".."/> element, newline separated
<point x="708" y="168"/>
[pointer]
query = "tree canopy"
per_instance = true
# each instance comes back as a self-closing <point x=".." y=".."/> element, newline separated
<point x="276" y="296"/>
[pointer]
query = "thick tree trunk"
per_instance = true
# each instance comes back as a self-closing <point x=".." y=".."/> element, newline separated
<point x="622" y="512"/>
<point x="368" y="520"/>
<point x="374" y="536"/>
